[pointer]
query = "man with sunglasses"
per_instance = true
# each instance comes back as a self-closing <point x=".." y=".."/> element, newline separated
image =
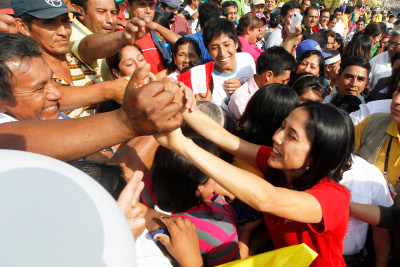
<point x="381" y="64"/>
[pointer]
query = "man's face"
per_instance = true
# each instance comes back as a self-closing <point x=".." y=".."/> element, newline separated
<point x="232" y="13"/>
<point x="100" y="16"/>
<point x="270" y="5"/>
<point x="393" y="46"/>
<point x="172" y="10"/>
<point x="331" y="41"/>
<point x="305" y="5"/>
<point x="141" y="8"/>
<point x="222" y="50"/>
<point x="312" y="18"/>
<point x="324" y="18"/>
<point x="35" y="96"/>
<point x="257" y="8"/>
<point x="359" y="26"/>
<point x="352" y="80"/>
<point x="283" y="78"/>
<point x="338" y="14"/>
<point x="52" y="34"/>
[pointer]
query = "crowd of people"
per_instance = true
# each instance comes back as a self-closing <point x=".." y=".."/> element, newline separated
<point x="241" y="130"/>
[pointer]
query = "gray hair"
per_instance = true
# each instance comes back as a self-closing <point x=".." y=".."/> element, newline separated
<point x="212" y="110"/>
<point x="395" y="31"/>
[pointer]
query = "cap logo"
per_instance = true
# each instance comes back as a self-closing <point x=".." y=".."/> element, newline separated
<point x="55" y="3"/>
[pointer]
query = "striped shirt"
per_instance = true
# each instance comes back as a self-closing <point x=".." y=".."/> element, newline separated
<point x="215" y="222"/>
<point x="81" y="76"/>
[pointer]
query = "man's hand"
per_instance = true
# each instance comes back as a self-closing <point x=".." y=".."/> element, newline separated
<point x="7" y="24"/>
<point x="149" y="109"/>
<point x="128" y="201"/>
<point x="134" y="30"/>
<point x="231" y="85"/>
<point x="183" y="243"/>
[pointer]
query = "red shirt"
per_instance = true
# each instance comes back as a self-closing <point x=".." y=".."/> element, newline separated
<point x="151" y="53"/>
<point x="325" y="238"/>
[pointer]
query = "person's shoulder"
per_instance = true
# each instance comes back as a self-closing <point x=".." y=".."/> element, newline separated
<point x="379" y="58"/>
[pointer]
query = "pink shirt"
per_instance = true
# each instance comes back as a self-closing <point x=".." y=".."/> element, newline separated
<point x="252" y="49"/>
<point x="240" y="98"/>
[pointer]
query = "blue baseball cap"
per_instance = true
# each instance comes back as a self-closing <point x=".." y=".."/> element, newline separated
<point x="42" y="9"/>
<point x="307" y="45"/>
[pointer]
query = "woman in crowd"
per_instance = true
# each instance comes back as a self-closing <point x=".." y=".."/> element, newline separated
<point x="313" y="62"/>
<point x="310" y="152"/>
<point x="360" y="45"/>
<point x="308" y="87"/>
<point x="248" y="30"/>
<point x="374" y="31"/>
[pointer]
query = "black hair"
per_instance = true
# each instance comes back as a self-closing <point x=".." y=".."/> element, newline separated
<point x="80" y="3"/>
<point x="186" y="14"/>
<point x="331" y="134"/>
<point x="181" y="41"/>
<point x="114" y="60"/>
<point x="321" y="38"/>
<point x="339" y="40"/>
<point x="348" y="103"/>
<point x="275" y="59"/>
<point x="264" y="113"/>
<point x="228" y="4"/>
<point x="359" y="45"/>
<point x="160" y="19"/>
<point x="304" y="82"/>
<point x="223" y="12"/>
<point x="333" y="53"/>
<point x="308" y="10"/>
<point x="14" y="47"/>
<point x="338" y="10"/>
<point x="275" y="20"/>
<point x="108" y="176"/>
<point x="310" y="53"/>
<point x="175" y="179"/>
<point x="289" y="6"/>
<point x="349" y="10"/>
<point x="27" y="19"/>
<point x="246" y="21"/>
<point x="373" y="29"/>
<point x="216" y="27"/>
<point x="324" y="11"/>
<point x="354" y="61"/>
<point x="332" y="17"/>
<point x="208" y="10"/>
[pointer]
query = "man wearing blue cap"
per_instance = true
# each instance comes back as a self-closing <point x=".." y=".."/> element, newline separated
<point x="178" y="24"/>
<point x="48" y="23"/>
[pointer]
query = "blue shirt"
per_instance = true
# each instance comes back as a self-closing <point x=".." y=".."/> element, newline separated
<point x="205" y="56"/>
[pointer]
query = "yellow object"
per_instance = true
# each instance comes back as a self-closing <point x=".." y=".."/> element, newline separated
<point x="296" y="256"/>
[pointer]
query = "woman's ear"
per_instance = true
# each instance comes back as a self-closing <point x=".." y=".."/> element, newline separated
<point x="116" y="73"/>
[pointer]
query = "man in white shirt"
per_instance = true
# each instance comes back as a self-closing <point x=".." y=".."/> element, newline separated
<point x="339" y="28"/>
<point x="231" y="69"/>
<point x="192" y="7"/>
<point x="381" y="64"/>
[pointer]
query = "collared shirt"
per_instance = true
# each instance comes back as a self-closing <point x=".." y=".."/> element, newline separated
<point x="339" y="28"/>
<point x="241" y="97"/>
<point x="81" y="76"/>
<point x="369" y="108"/>
<point x="275" y="39"/>
<point x="380" y="67"/>
<point x="393" y="172"/>
<point x="181" y="26"/>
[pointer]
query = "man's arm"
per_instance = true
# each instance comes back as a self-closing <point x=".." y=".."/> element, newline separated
<point x="81" y="96"/>
<point x="381" y="238"/>
<point x="96" y="46"/>
<point x="145" y="111"/>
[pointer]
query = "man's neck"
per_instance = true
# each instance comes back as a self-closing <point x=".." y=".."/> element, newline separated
<point x="192" y="6"/>
<point x="259" y="80"/>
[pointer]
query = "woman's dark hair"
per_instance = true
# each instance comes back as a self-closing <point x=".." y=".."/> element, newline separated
<point x="186" y="15"/>
<point x="331" y="135"/>
<point x="160" y="19"/>
<point x="373" y="29"/>
<point x="339" y="40"/>
<point x="175" y="179"/>
<point x="304" y="82"/>
<point x="360" y="45"/>
<point x="109" y="176"/>
<point x="246" y="21"/>
<point x="181" y="41"/>
<point x="348" y="103"/>
<point x="321" y="62"/>
<point x="264" y="113"/>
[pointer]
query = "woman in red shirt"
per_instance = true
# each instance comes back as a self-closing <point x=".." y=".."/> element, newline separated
<point x="310" y="152"/>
